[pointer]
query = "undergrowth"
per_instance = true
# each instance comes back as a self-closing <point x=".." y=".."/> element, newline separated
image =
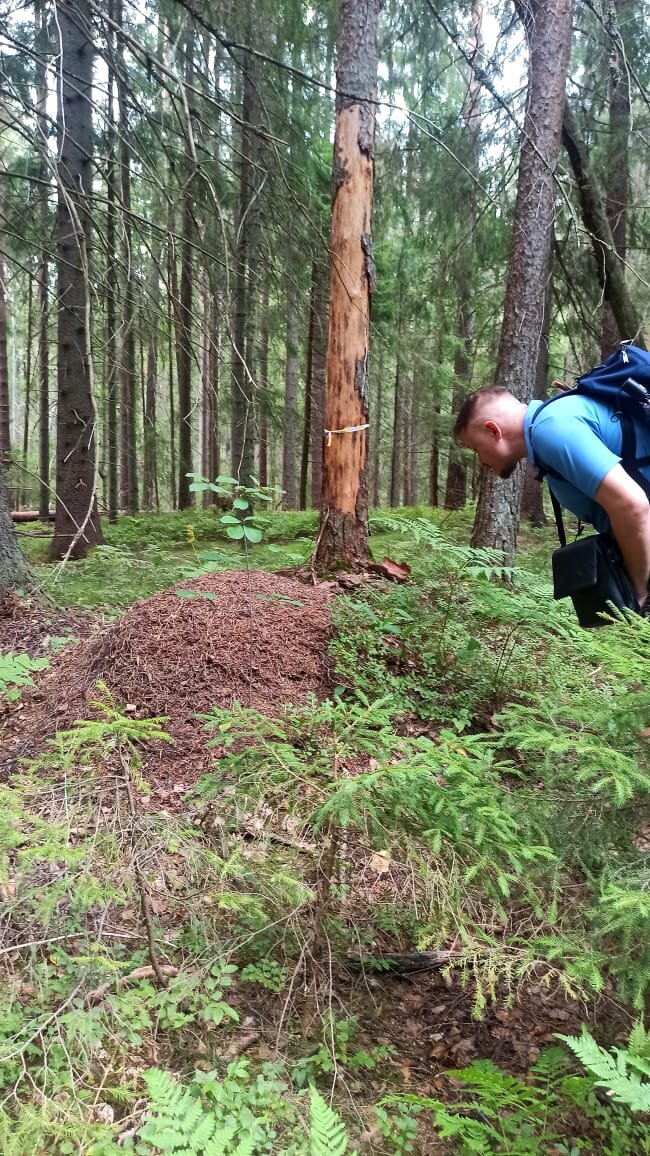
<point x="481" y="761"/>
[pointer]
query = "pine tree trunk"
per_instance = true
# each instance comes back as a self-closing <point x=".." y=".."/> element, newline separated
<point x="77" y="523"/>
<point x="343" y="533"/>
<point x="618" y="165"/>
<point x="434" y="461"/>
<point x="242" y="415"/>
<point x="41" y="39"/>
<point x="375" y="446"/>
<point x="317" y="373"/>
<point x="398" y="437"/>
<point x="548" y="30"/>
<point x="291" y="370"/>
<point x="263" y="381"/>
<point x="149" y="471"/>
<point x="128" y="375"/>
<point x="28" y="383"/>
<point x="5" y="426"/>
<point x="14" y="569"/>
<point x="609" y="269"/>
<point x="173" y="327"/>
<point x="456" y="490"/>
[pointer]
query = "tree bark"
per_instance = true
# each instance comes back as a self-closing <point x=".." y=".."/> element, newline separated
<point x="548" y="30"/>
<point x="609" y="269"/>
<point x="618" y="164"/>
<point x="291" y="371"/>
<point x="317" y="373"/>
<point x="42" y="274"/>
<point x="5" y="427"/>
<point x="14" y="569"/>
<point x="343" y="533"/>
<point x="77" y="525"/>
<point x="398" y="435"/>
<point x="128" y="376"/>
<point x="184" y="362"/>
<point x="242" y="415"/>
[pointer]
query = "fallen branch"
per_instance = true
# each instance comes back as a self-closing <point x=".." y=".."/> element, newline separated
<point x="148" y="972"/>
<point x="403" y="961"/>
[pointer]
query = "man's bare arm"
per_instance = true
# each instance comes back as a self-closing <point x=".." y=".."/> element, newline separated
<point x="628" y="510"/>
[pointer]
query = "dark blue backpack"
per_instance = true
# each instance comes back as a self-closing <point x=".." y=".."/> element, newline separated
<point x="622" y="382"/>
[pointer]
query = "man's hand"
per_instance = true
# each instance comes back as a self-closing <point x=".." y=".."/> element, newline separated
<point x="628" y="510"/>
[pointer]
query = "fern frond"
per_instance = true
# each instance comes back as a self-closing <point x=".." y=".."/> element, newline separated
<point x="611" y="1068"/>
<point x="328" y="1135"/>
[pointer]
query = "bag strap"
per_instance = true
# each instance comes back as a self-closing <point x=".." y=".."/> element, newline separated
<point x="559" y="521"/>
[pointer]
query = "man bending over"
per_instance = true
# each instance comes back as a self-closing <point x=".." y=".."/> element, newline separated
<point x="578" y="441"/>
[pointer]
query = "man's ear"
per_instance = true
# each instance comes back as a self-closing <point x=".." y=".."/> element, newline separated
<point x="493" y="428"/>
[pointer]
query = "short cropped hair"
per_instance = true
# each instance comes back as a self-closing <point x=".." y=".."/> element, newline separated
<point x="468" y="410"/>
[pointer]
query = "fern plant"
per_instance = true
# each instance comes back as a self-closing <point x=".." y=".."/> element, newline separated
<point x="328" y="1135"/>
<point x="622" y="1071"/>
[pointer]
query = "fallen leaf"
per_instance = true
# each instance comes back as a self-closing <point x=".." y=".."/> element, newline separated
<point x="381" y="862"/>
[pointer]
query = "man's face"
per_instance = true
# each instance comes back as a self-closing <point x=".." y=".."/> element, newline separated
<point x="492" y="447"/>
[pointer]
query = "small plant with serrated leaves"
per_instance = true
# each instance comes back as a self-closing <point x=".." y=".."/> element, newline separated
<point x="16" y="672"/>
<point x="239" y="522"/>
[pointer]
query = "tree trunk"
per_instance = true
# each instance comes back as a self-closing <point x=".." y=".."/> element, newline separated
<point x="532" y="499"/>
<point x="242" y="416"/>
<point x="5" y="427"/>
<point x="42" y="274"/>
<point x="149" y="472"/>
<point x="609" y="269"/>
<point x="343" y="533"/>
<point x="434" y="461"/>
<point x="375" y="445"/>
<point x="317" y="373"/>
<point x="173" y="328"/>
<point x="291" y="371"/>
<point x="128" y="376"/>
<point x="398" y="436"/>
<point x="548" y="30"/>
<point x="14" y="569"/>
<point x="28" y="382"/>
<point x="618" y="165"/>
<point x="263" y="382"/>
<point x="77" y="523"/>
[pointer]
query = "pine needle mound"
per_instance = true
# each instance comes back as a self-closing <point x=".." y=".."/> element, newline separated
<point x="255" y="638"/>
<point x="250" y="637"/>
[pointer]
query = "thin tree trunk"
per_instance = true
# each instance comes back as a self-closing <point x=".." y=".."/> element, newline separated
<point x="609" y="269"/>
<point x="42" y="274"/>
<point x="185" y="466"/>
<point x="112" y="281"/>
<point x="434" y="460"/>
<point x="214" y="354"/>
<point x="618" y="164"/>
<point x="291" y="370"/>
<point x="172" y="353"/>
<point x="548" y="29"/>
<point x="5" y="426"/>
<point x="150" y="470"/>
<point x="375" y="447"/>
<point x="398" y="436"/>
<point x="77" y="523"/>
<point x="317" y="373"/>
<point x="263" y="384"/>
<point x="242" y="416"/>
<point x="28" y="382"/>
<point x="128" y="375"/>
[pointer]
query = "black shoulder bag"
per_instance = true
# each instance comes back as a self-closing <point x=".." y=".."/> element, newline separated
<point x="590" y="571"/>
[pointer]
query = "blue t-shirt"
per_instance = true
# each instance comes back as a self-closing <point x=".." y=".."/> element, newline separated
<point x="580" y="439"/>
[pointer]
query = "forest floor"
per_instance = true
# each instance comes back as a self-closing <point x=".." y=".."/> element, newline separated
<point x="263" y="641"/>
